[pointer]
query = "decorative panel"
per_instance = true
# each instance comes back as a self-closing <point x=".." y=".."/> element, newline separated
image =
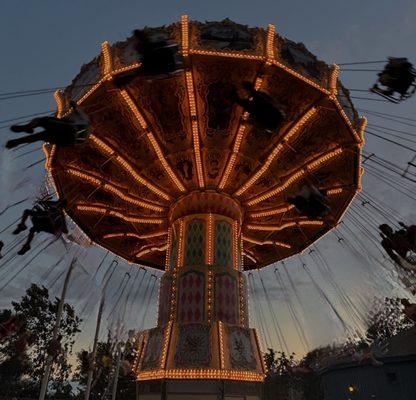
<point x="191" y="297"/>
<point x="223" y="244"/>
<point x="164" y="300"/>
<point x="174" y="249"/>
<point x="195" y="242"/>
<point x="194" y="346"/>
<point x="226" y="298"/>
<point x="240" y="348"/>
<point x="153" y="351"/>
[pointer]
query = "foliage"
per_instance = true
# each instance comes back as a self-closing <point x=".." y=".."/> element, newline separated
<point x="104" y="369"/>
<point x="25" y="344"/>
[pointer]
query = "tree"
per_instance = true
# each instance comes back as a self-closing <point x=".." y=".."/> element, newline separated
<point x="25" y="346"/>
<point x="104" y="368"/>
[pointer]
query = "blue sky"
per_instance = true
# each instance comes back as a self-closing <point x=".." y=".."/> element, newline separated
<point x="44" y="44"/>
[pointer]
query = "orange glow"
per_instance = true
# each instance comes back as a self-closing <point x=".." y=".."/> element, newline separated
<point x="273" y="211"/>
<point x="242" y="300"/>
<point x="227" y="54"/>
<point x="209" y="295"/>
<point x="332" y="192"/>
<point x="168" y="250"/>
<point x="150" y="250"/>
<point x="106" y="149"/>
<point x="299" y="76"/>
<point x="346" y="119"/>
<point x="271" y="30"/>
<point x="210" y="240"/>
<point x="296" y="176"/>
<point x="126" y="68"/>
<point x="363" y="127"/>
<point x="102" y="184"/>
<point x="284" y="226"/>
<point x="195" y="129"/>
<point x="185" y="35"/>
<point x="181" y="244"/>
<point x="323" y="159"/>
<point x="58" y="95"/>
<point x="236" y="148"/>
<point x="135" y="235"/>
<point x="235" y="244"/>
<point x="107" y="60"/>
<point x="166" y="340"/>
<point x="277" y="150"/>
<point x="333" y="80"/>
<point x="221" y="336"/>
<point x="262" y="242"/>
<point x="201" y="374"/>
<point x="250" y="256"/>
<point x="150" y="136"/>
<point x="113" y="213"/>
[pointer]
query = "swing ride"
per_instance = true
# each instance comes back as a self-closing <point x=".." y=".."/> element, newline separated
<point x="213" y="149"/>
<point x="178" y="176"/>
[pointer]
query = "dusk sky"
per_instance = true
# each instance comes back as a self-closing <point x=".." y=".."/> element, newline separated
<point x="45" y="43"/>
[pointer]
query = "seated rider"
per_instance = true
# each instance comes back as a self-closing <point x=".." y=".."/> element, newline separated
<point x="310" y="202"/>
<point x="46" y="216"/>
<point x="265" y="112"/>
<point x="157" y="57"/>
<point x="398" y="244"/>
<point x="397" y="76"/>
<point x="64" y="132"/>
<point x="409" y="309"/>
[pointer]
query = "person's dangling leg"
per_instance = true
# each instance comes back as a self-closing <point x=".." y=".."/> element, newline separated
<point x="22" y="224"/>
<point x="41" y="136"/>
<point x="26" y="246"/>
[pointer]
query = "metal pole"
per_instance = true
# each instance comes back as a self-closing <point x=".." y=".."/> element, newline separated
<point x="49" y="359"/>
<point x="113" y="397"/>
<point x="94" y="347"/>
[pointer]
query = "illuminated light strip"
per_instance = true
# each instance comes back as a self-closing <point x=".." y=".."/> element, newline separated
<point x="107" y="60"/>
<point x="210" y="241"/>
<point x="150" y="250"/>
<point x="333" y="192"/>
<point x="113" y="213"/>
<point x="163" y="359"/>
<point x="221" y="337"/>
<point x="294" y="130"/>
<point x="150" y="136"/>
<point x="168" y="250"/>
<point x="135" y="235"/>
<point x="195" y="128"/>
<point x="274" y="211"/>
<point x="227" y="54"/>
<point x="89" y="93"/>
<point x="346" y="119"/>
<point x="263" y="363"/>
<point x="271" y="30"/>
<point x="235" y="244"/>
<point x="209" y="296"/>
<point x="251" y="257"/>
<point x="326" y="157"/>
<point x="201" y="374"/>
<point x="296" y="176"/>
<point x="284" y="226"/>
<point x="185" y="35"/>
<point x="242" y="301"/>
<point x="241" y="252"/>
<point x="363" y="127"/>
<point x="126" y="166"/>
<point x="126" y="68"/>
<point x="301" y="77"/>
<point x="263" y="242"/>
<point x="114" y="190"/>
<point x="50" y="154"/>
<point x="333" y="80"/>
<point x="181" y="250"/>
<point x="173" y="295"/>
<point x="58" y="96"/>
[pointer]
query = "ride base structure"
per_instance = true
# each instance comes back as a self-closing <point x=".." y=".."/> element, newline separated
<point x="175" y="176"/>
